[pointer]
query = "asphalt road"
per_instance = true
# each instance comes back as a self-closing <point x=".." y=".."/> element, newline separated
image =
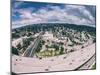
<point x="88" y="64"/>
<point x="32" y="48"/>
<point x="74" y="60"/>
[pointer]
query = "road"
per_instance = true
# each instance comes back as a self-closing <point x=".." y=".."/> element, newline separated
<point x="88" y="64"/>
<point x="63" y="62"/>
<point x="32" y="48"/>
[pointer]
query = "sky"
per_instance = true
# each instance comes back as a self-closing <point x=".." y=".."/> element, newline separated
<point x="25" y="13"/>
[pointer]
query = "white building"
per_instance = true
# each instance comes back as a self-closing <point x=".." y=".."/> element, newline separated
<point x="48" y="36"/>
<point x="17" y="41"/>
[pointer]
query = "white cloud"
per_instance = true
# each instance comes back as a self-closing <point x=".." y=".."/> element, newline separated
<point x="17" y="4"/>
<point x="74" y="14"/>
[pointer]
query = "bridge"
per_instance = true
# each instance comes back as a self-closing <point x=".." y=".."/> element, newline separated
<point x="30" y="51"/>
<point x="72" y="61"/>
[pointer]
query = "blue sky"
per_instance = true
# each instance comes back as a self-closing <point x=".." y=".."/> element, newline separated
<point x="25" y="13"/>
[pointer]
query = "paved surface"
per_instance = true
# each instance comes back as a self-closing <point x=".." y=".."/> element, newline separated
<point x="88" y="64"/>
<point x="69" y="61"/>
<point x="32" y="48"/>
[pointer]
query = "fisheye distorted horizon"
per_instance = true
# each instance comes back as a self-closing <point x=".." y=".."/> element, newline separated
<point x="26" y="13"/>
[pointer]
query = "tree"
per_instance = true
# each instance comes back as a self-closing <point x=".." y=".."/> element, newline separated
<point x="66" y="51"/>
<point x="19" y="46"/>
<point x="26" y="42"/>
<point x="43" y="42"/>
<point x="14" y="51"/>
<point x="72" y="50"/>
<point x="94" y="40"/>
<point x="46" y="46"/>
<point x="15" y="35"/>
<point x="56" y="47"/>
<point x="61" y="43"/>
<point x="62" y="50"/>
<point x="29" y="34"/>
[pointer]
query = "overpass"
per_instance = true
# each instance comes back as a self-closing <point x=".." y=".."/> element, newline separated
<point x="65" y="62"/>
<point x="30" y="51"/>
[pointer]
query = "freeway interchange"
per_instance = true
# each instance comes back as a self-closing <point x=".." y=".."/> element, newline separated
<point x="56" y="63"/>
<point x="30" y="51"/>
<point x="63" y="49"/>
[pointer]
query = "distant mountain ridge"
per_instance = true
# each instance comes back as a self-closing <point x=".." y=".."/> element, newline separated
<point x="79" y="27"/>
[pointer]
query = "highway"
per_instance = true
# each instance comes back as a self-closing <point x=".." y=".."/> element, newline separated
<point x="78" y="60"/>
<point x="88" y="64"/>
<point x="32" y="48"/>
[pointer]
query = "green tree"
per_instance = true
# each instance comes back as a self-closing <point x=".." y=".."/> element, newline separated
<point x="19" y="46"/>
<point x="61" y="50"/>
<point x="15" y="51"/>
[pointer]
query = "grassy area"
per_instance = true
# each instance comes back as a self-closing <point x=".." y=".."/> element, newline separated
<point x="94" y="66"/>
<point x="48" y="53"/>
